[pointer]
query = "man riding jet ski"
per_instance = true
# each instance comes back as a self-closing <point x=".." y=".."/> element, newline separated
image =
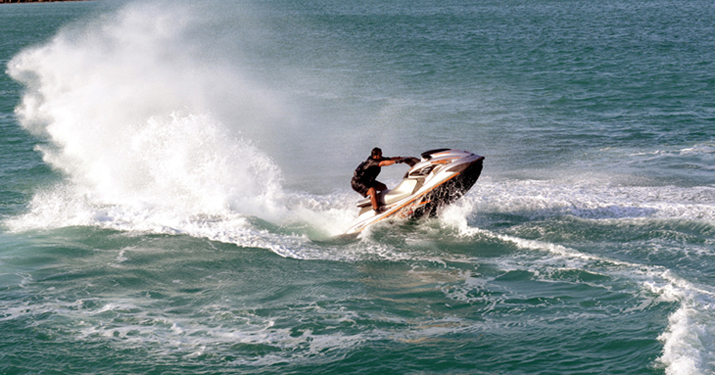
<point x="440" y="177"/>
<point x="365" y="177"/>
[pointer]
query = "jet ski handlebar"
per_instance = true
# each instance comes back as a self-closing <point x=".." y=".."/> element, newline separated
<point x="411" y="161"/>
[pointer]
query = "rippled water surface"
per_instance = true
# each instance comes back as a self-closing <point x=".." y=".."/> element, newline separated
<point x="175" y="178"/>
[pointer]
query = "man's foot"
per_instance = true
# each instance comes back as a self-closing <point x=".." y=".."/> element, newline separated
<point x="380" y="210"/>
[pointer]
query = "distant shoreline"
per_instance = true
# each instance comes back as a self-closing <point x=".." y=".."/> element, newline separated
<point x="35" y="1"/>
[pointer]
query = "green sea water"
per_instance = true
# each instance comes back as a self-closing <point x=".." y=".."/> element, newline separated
<point x="174" y="179"/>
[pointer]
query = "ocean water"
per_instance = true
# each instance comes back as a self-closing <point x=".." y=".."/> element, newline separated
<point x="174" y="179"/>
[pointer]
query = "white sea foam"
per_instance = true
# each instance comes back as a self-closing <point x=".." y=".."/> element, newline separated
<point x="688" y="340"/>
<point x="132" y="325"/>
<point x="698" y="156"/>
<point x="596" y="199"/>
<point x="130" y="107"/>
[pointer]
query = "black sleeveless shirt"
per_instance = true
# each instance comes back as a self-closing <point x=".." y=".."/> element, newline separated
<point x="368" y="170"/>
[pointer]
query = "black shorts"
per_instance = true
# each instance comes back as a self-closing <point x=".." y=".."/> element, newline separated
<point x="362" y="187"/>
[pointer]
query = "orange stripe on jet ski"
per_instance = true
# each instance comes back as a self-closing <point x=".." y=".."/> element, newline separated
<point x="444" y="161"/>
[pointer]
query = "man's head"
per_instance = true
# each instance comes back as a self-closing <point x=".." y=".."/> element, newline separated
<point x="376" y="153"/>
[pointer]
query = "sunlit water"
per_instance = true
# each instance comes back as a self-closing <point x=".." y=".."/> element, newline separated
<point x="175" y="178"/>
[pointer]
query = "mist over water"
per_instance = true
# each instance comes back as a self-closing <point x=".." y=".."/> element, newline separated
<point x="131" y="106"/>
<point x="195" y="166"/>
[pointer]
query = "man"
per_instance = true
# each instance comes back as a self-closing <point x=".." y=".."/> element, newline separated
<point x="364" y="179"/>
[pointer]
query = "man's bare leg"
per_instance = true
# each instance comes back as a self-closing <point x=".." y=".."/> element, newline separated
<point x="373" y="197"/>
<point x="372" y="193"/>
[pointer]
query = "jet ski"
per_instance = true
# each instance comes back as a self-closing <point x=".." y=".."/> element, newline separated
<point x="440" y="177"/>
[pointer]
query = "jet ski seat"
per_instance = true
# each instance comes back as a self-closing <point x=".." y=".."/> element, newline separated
<point x="387" y="197"/>
<point x="365" y="202"/>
